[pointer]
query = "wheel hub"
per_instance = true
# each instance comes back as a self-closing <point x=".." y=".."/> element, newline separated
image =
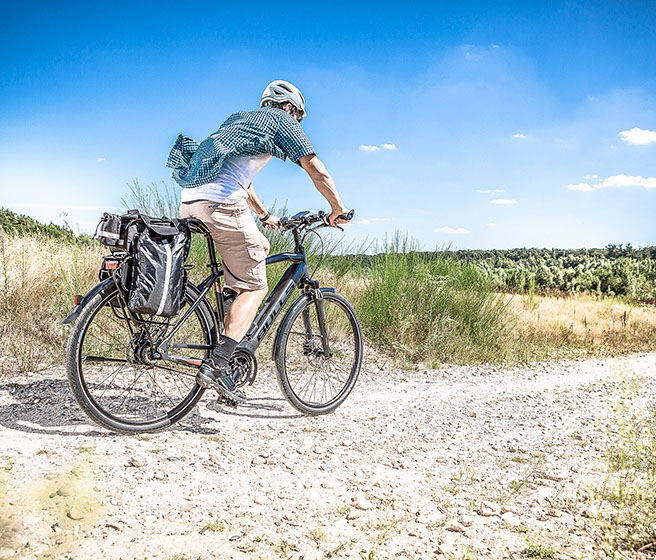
<point x="311" y="348"/>
<point x="143" y="350"/>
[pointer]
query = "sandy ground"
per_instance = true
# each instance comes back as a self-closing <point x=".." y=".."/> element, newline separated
<point x="461" y="462"/>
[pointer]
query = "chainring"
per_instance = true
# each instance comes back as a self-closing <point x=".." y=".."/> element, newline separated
<point x="244" y="366"/>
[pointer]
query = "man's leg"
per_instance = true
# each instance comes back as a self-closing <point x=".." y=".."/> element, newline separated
<point x="237" y="321"/>
<point x="243" y="250"/>
<point x="242" y="312"/>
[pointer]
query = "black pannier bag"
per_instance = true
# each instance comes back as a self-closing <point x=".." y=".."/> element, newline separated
<point x="109" y="229"/>
<point x="152" y="271"/>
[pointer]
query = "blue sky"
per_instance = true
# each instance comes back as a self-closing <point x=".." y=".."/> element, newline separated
<point x="549" y="108"/>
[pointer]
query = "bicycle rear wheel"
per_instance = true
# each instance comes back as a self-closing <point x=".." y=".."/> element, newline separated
<point x="317" y="368"/>
<point x="115" y="374"/>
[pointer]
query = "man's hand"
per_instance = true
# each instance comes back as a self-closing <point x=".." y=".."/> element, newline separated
<point x="334" y="220"/>
<point x="272" y="223"/>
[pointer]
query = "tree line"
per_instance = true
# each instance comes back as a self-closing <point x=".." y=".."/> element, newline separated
<point x="616" y="270"/>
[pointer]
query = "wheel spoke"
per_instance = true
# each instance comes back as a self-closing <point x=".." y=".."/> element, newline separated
<point x="313" y="382"/>
<point x="118" y="376"/>
<point x="103" y="359"/>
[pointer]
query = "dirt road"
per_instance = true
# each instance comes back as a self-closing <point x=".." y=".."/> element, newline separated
<point x="461" y="462"/>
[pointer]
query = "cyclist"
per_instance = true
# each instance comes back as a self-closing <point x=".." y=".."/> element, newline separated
<point x="216" y="176"/>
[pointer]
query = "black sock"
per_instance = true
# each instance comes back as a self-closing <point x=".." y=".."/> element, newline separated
<point x="223" y="350"/>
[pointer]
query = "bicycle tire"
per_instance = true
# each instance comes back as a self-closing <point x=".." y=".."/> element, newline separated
<point x="298" y="353"/>
<point x="82" y="372"/>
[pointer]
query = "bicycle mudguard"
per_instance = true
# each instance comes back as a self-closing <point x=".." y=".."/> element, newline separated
<point x="305" y="295"/>
<point x="90" y="295"/>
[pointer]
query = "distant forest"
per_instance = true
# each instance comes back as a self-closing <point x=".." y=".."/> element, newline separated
<point x="617" y="270"/>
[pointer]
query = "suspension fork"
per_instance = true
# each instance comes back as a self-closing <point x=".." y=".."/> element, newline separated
<point x="317" y="296"/>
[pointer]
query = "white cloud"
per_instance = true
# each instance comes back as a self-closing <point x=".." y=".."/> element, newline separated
<point x="519" y="136"/>
<point x="370" y="148"/>
<point x="490" y="224"/>
<point x="100" y="159"/>
<point x="627" y="181"/>
<point x="504" y="201"/>
<point x="381" y="219"/>
<point x="586" y="177"/>
<point x="585" y="187"/>
<point x="638" y="136"/>
<point x="452" y="231"/>
<point x="617" y="181"/>
<point x="489" y="190"/>
<point x="362" y="222"/>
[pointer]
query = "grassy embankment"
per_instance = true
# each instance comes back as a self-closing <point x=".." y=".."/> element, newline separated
<point x="418" y="307"/>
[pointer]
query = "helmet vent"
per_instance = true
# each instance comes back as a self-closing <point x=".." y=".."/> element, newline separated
<point x="280" y="91"/>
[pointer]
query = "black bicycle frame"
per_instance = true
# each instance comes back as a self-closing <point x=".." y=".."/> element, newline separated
<point x="296" y="276"/>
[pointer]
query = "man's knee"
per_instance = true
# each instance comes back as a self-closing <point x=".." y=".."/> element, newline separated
<point x="261" y="292"/>
<point x="255" y="292"/>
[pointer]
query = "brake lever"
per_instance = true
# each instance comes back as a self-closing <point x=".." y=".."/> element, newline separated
<point x="348" y="217"/>
<point x="326" y="221"/>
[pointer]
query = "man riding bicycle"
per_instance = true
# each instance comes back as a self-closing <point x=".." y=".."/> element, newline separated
<point x="216" y="176"/>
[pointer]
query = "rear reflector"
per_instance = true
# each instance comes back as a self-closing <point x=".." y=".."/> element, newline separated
<point x="76" y="299"/>
<point x="111" y="265"/>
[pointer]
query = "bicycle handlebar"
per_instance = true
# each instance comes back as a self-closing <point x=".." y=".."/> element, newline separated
<point x="309" y="219"/>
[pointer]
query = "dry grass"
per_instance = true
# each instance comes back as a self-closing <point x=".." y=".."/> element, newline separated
<point x="581" y="321"/>
<point x="38" y="278"/>
<point x="623" y="503"/>
<point x="40" y="275"/>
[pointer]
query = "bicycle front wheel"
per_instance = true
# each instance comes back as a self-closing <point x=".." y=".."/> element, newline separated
<point x="116" y="374"/>
<point x="319" y="353"/>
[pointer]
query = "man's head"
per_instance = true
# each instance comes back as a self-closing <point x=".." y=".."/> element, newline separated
<point x="285" y="96"/>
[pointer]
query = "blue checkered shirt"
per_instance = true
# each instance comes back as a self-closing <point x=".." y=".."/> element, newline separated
<point x="263" y="131"/>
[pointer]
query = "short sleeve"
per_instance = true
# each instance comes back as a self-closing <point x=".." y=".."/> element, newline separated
<point x="291" y="139"/>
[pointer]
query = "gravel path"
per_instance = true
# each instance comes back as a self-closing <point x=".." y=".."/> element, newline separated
<point x="461" y="462"/>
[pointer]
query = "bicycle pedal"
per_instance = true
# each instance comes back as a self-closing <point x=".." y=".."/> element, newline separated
<point x="226" y="401"/>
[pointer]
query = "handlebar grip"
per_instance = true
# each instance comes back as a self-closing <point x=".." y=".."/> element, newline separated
<point x="348" y="216"/>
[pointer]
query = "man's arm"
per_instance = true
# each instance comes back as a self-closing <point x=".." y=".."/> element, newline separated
<point x="325" y="185"/>
<point x="256" y="206"/>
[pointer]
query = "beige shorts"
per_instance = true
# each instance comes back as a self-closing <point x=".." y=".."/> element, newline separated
<point x="242" y="247"/>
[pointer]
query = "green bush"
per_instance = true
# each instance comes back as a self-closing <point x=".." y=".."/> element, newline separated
<point x="431" y="309"/>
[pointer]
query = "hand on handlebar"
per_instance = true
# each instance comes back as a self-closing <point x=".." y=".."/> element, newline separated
<point x="339" y="216"/>
<point x="272" y="223"/>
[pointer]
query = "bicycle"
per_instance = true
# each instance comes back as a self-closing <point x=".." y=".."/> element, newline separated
<point x="134" y="373"/>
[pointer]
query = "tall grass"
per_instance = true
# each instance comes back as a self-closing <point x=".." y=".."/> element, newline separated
<point x="153" y="200"/>
<point x="38" y="277"/>
<point x="431" y="310"/>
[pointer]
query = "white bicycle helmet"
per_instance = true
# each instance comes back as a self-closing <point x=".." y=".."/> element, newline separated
<point x="281" y="91"/>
